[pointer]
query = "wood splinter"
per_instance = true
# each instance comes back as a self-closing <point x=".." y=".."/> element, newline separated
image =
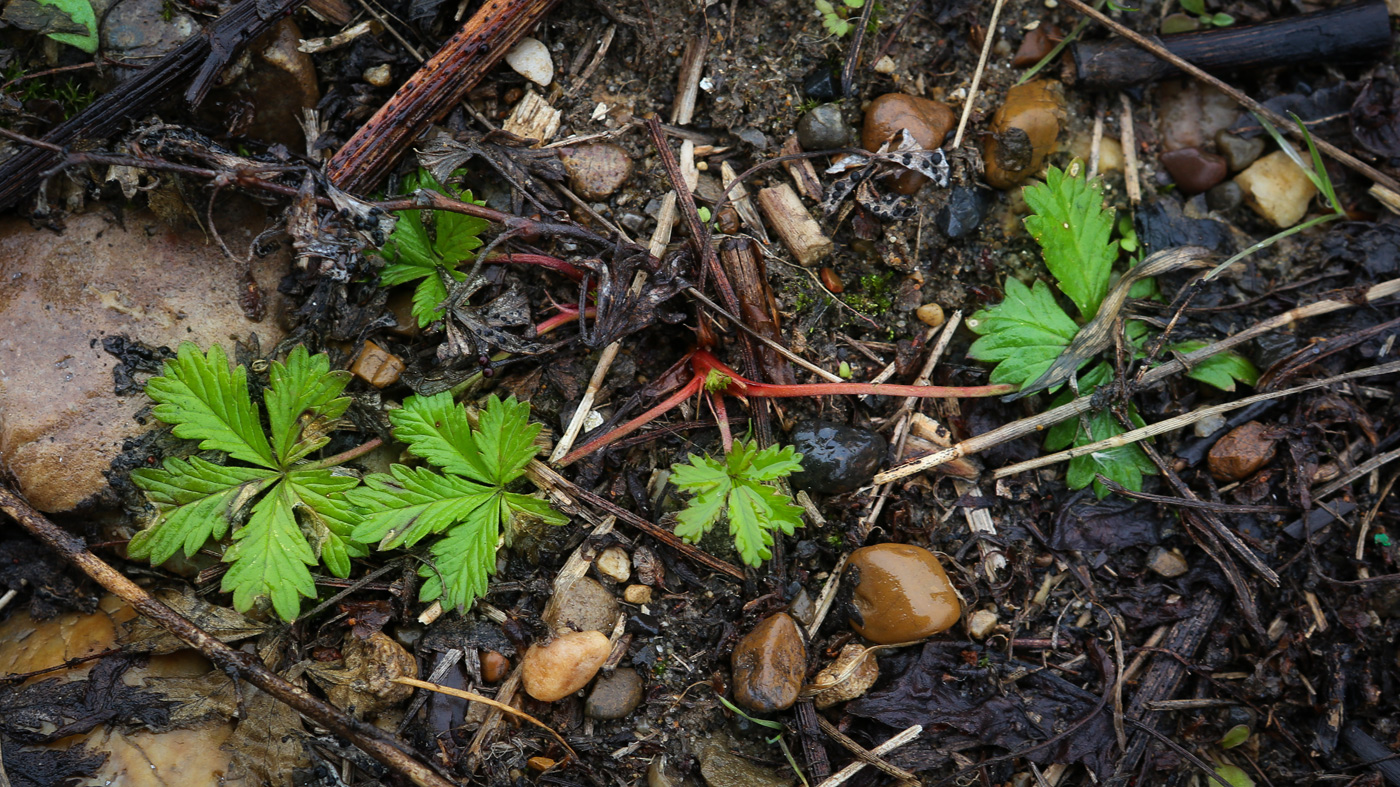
<point x="800" y="233"/>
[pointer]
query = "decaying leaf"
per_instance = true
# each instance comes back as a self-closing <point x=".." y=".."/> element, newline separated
<point x="363" y="683"/>
<point x="140" y="634"/>
<point x="851" y="675"/>
<point x="267" y="744"/>
<point x="51" y="709"/>
<point x="863" y="168"/>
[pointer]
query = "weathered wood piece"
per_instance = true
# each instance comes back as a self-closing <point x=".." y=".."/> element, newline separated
<point x="801" y="233"/>
<point x="1356" y="32"/>
<point x="194" y="65"/>
<point x="431" y="93"/>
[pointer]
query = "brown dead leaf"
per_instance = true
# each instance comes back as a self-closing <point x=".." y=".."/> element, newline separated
<point x="363" y="685"/>
<point x="224" y="624"/>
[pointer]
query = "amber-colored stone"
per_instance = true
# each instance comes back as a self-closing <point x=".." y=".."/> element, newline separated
<point x="769" y="663"/>
<point x="831" y="281"/>
<point x="1240" y="453"/>
<point x="926" y="120"/>
<point x="1194" y="170"/>
<point x="540" y="764"/>
<point x="1036" y="45"/>
<point x="930" y="314"/>
<point x="1023" y="132"/>
<point x="377" y="366"/>
<point x="901" y="594"/>
<point x="554" y="671"/>
<point x="494" y="666"/>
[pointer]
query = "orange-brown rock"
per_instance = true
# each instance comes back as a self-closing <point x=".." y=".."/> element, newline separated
<point x="926" y="120"/>
<point x="554" y="671"/>
<point x="769" y="663"/>
<point x="901" y="594"/>
<point x="1241" y="452"/>
<point x="1023" y="132"/>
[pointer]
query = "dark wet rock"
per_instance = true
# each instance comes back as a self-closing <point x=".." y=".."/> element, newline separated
<point x="614" y="696"/>
<point x="1238" y="151"/>
<point x="822" y="84"/>
<point x="926" y="120"/>
<point x="1241" y="453"/>
<point x="583" y="606"/>
<point x="1194" y="170"/>
<point x="1225" y="196"/>
<point x="596" y="171"/>
<point x="266" y="103"/>
<point x="901" y="594"/>
<point x="823" y="129"/>
<point x="1035" y="46"/>
<point x="836" y="459"/>
<point x="722" y="768"/>
<point x="644" y="625"/>
<point x="753" y="137"/>
<point x="769" y="663"/>
<point x="1162" y="225"/>
<point x="143" y="30"/>
<point x="964" y="211"/>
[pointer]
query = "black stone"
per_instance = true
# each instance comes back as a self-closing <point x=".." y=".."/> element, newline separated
<point x="822" y="84"/>
<point x="1162" y="225"/>
<point x="836" y="459"/>
<point x="963" y="212"/>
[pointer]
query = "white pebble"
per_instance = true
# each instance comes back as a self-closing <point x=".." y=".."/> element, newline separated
<point x="530" y="59"/>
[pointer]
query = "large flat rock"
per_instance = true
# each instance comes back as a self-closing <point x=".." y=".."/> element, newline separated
<point x="61" y="424"/>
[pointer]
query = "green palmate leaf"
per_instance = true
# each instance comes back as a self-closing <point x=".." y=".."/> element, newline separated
<point x="736" y="487"/>
<point x="1222" y="370"/>
<point x="1023" y="334"/>
<point x="468" y="503"/>
<point x="208" y="402"/>
<point x="195" y="501"/>
<point x="270" y="555"/>
<point x="303" y="388"/>
<point x="417" y="255"/>
<point x="328" y="517"/>
<point x="1073" y="229"/>
<point x="1125" y="464"/>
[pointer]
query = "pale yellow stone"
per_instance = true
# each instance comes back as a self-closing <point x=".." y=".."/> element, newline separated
<point x="1277" y="189"/>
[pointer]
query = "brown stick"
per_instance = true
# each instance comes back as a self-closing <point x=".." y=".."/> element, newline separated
<point x="374" y="742"/>
<point x="201" y="56"/>
<point x="1285" y="125"/>
<point x="1360" y="31"/>
<point x="432" y="92"/>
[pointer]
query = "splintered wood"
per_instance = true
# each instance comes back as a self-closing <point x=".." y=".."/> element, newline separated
<point x="800" y="233"/>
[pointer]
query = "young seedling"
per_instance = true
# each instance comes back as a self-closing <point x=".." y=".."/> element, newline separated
<point x="299" y="514"/>
<point x="739" y="487"/>
<point x="713" y="377"/>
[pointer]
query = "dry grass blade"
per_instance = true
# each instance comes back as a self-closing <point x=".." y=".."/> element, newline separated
<point x="482" y="698"/>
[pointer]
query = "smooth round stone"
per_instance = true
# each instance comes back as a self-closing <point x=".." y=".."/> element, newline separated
<point x="595" y="171"/>
<point x="901" y="594"/>
<point x="1242" y="452"/>
<point x="614" y="696"/>
<point x="554" y="671"/>
<point x="1024" y="130"/>
<point x="769" y="664"/>
<point x="530" y="58"/>
<point x="835" y="458"/>
<point x="1225" y="196"/>
<point x="823" y="129"/>
<point x="1194" y="170"/>
<point x="583" y="606"/>
<point x="926" y="120"/>
<point x="930" y="314"/>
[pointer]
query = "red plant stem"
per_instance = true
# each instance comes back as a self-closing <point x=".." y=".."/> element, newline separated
<point x="567" y="314"/>
<point x="684" y="392"/>
<point x="704" y="362"/>
<point x="543" y="260"/>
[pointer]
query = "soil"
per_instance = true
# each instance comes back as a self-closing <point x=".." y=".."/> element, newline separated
<point x="1128" y="640"/>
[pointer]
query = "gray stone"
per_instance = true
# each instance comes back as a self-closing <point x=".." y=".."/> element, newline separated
<point x="1166" y="563"/>
<point x="723" y="769"/>
<point x="1238" y="151"/>
<point x="1226" y="196"/>
<point x="823" y="129"/>
<point x="596" y="170"/>
<point x="614" y="696"/>
<point x="583" y="606"/>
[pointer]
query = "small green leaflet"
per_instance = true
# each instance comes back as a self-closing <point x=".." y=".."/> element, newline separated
<point x="1220" y="370"/>
<point x="1073" y="229"/>
<point x="71" y="22"/>
<point x="415" y="254"/>
<point x="1125" y="464"/>
<point x="737" y="488"/>
<point x="1023" y="334"/>
<point x="466" y="502"/>
<point x="299" y="514"/>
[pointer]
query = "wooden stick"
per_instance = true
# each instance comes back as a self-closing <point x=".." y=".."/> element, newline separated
<point x="432" y="92"/>
<point x="1347" y="33"/>
<point x="370" y="739"/>
<point x="1285" y="125"/>
<point x="864" y="755"/>
<point x="1154" y="377"/>
<point x="485" y="700"/>
<point x="844" y="775"/>
<point x="977" y="75"/>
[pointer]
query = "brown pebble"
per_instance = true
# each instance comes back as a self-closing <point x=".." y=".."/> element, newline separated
<point x="927" y="121"/>
<point x="554" y="671"/>
<point x="513" y="95"/>
<point x="377" y="366"/>
<point x="930" y="314"/>
<point x="540" y="764"/>
<point x="1194" y="170"/>
<point x="596" y="171"/>
<point x="494" y="666"/>
<point x="769" y="663"/>
<point x="901" y="594"/>
<point x="831" y="281"/>
<point x="637" y="594"/>
<point x="1241" y="452"/>
<point x="1036" y="45"/>
<point x="1023" y="132"/>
